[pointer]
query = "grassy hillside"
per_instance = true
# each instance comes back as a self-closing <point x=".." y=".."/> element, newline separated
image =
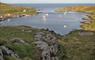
<point x="89" y="24"/>
<point x="25" y="50"/>
<point x="9" y="9"/>
<point x="79" y="45"/>
<point x="21" y="40"/>
<point x="77" y="9"/>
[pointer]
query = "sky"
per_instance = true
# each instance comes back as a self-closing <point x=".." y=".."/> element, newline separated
<point x="48" y="1"/>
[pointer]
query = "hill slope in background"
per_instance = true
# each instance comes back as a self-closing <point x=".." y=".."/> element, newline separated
<point x="77" y="9"/>
<point x="9" y="9"/>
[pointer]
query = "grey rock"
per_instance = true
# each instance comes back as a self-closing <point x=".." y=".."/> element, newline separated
<point x="18" y="41"/>
<point x="48" y="44"/>
<point x="1" y="55"/>
<point x="5" y="51"/>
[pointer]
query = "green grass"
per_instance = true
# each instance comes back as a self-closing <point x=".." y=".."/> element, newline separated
<point x="73" y="46"/>
<point x="91" y="25"/>
<point x="9" y="9"/>
<point x="79" y="47"/>
<point x="23" y="50"/>
<point x="86" y="9"/>
<point x="12" y="32"/>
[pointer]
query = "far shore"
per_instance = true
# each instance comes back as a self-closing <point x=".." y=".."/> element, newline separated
<point x="8" y="11"/>
<point x="10" y="16"/>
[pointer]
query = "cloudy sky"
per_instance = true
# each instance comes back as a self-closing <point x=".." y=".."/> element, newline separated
<point x="48" y="1"/>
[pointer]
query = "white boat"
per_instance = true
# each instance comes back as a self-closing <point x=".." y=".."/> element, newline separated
<point x="65" y="26"/>
<point x="46" y="14"/>
<point x="44" y="18"/>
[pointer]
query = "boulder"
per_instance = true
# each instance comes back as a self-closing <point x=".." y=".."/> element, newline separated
<point x="5" y="51"/>
<point x="1" y="55"/>
<point x="18" y="41"/>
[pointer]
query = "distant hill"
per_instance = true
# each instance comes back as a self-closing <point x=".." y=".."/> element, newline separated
<point x="77" y="8"/>
<point x="8" y="8"/>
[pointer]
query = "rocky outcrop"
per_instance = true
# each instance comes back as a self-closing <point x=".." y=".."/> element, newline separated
<point x="5" y="51"/>
<point x="48" y="45"/>
<point x="1" y="55"/>
<point x="18" y="41"/>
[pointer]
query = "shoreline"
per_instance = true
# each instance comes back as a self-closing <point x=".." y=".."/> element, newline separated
<point x="8" y="11"/>
<point x="10" y="16"/>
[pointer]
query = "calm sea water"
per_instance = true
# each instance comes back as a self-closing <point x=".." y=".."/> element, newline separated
<point x="51" y="5"/>
<point x="60" y="23"/>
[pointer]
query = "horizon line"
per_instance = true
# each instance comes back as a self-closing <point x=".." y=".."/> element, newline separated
<point x="47" y="3"/>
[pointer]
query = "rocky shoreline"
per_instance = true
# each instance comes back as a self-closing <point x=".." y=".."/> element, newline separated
<point x="7" y="11"/>
<point x="10" y="16"/>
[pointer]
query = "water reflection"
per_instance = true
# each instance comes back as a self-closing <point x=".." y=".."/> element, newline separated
<point x="60" y="16"/>
<point x="9" y="20"/>
<point x="44" y="17"/>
